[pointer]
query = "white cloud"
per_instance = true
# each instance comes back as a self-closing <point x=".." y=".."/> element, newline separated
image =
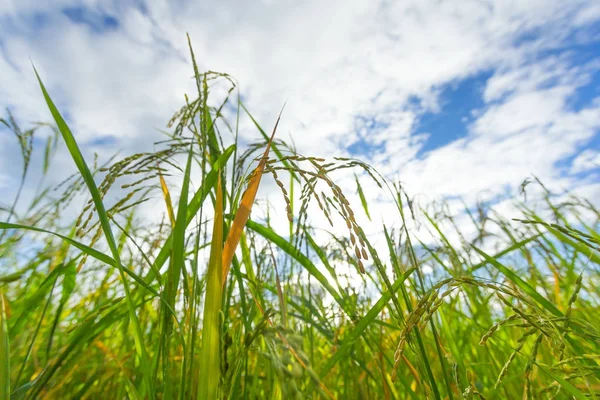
<point x="586" y="160"/>
<point x="332" y="61"/>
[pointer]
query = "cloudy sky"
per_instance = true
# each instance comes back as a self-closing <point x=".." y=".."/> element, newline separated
<point x="454" y="98"/>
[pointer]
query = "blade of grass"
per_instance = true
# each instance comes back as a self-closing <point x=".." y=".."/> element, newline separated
<point x="204" y="111"/>
<point x="582" y="248"/>
<point x="31" y="302"/>
<point x="35" y="334"/>
<point x="422" y="352"/>
<point x="176" y="266"/>
<point x="572" y="390"/>
<point x="323" y="257"/>
<point x="88" y="178"/>
<point x="509" y="249"/>
<point x="275" y="148"/>
<point x="363" y="324"/>
<point x="517" y="280"/>
<point x="210" y="354"/>
<point x="363" y="200"/>
<point x="286" y="246"/>
<point x="132" y="392"/>
<point x="68" y="285"/>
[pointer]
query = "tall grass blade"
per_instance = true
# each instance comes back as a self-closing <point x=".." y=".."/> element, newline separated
<point x="518" y="245"/>
<point x="286" y="246"/>
<point x="363" y="199"/>
<point x="517" y="280"/>
<point x="210" y="354"/>
<point x="566" y="385"/>
<point x="364" y="323"/>
<point x="176" y="267"/>
<point x="274" y="147"/>
<point x="88" y="178"/>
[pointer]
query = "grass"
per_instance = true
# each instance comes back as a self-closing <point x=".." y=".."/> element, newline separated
<point x="209" y="303"/>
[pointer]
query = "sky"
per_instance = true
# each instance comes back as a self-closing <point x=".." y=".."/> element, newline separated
<point x="455" y="99"/>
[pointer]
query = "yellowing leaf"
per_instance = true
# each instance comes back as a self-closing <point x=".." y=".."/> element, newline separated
<point x="167" y="197"/>
<point x="243" y="212"/>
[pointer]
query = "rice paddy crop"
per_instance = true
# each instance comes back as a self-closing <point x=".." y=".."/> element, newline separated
<point x="208" y="302"/>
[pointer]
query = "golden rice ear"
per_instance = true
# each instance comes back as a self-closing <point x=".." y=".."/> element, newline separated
<point x="167" y="196"/>
<point x="243" y="212"/>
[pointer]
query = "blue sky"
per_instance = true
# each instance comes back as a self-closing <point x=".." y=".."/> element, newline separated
<point x="455" y="99"/>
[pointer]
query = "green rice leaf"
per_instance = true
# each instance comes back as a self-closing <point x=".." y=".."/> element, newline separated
<point x="286" y="246"/>
<point x="210" y="354"/>
<point x="176" y="267"/>
<point x="566" y="385"/>
<point x="363" y="199"/>
<point x="88" y="178"/>
<point x="363" y="324"/>
<point x="517" y="280"/>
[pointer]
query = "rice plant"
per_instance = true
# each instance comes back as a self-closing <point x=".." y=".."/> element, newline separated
<point x="209" y="301"/>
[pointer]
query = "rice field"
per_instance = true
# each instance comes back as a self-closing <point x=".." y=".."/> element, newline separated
<point x="211" y="301"/>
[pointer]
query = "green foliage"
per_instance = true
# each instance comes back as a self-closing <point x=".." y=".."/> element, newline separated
<point x="114" y="303"/>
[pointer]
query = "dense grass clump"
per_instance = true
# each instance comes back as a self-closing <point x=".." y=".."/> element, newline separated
<point x="207" y="303"/>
